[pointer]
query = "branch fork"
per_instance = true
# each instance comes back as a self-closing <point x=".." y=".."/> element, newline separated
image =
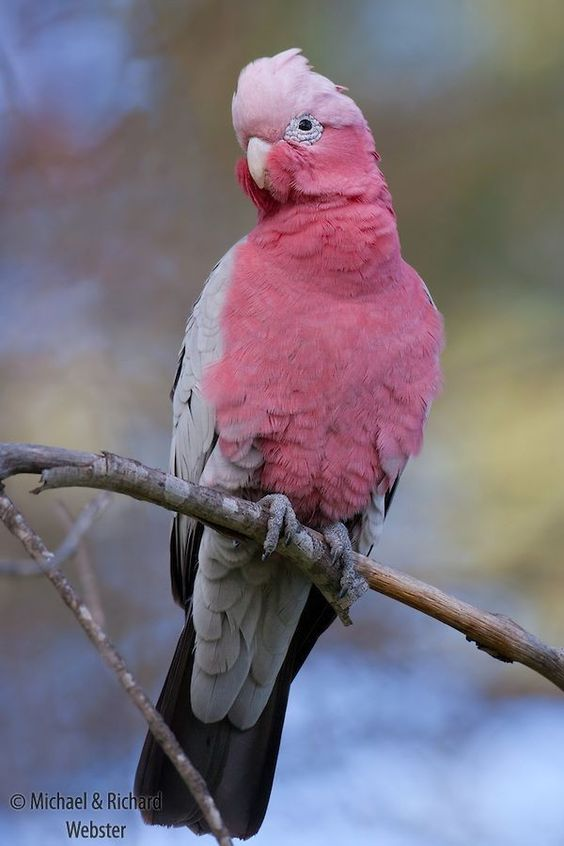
<point x="498" y="635"/>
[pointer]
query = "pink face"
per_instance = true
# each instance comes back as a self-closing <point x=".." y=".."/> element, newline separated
<point x="302" y="135"/>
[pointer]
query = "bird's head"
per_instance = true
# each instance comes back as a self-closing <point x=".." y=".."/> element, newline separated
<point x="303" y="136"/>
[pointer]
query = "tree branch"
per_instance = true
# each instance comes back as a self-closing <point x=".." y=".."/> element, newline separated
<point x="86" y="572"/>
<point x="62" y="468"/>
<point x="37" y="550"/>
<point x="496" y="634"/>
<point x="69" y="547"/>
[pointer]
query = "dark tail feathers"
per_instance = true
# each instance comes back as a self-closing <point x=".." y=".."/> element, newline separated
<point x="238" y="766"/>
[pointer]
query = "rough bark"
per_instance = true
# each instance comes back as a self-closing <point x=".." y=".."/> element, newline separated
<point x="494" y="633"/>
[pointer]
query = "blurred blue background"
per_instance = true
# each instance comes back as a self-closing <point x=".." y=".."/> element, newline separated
<point x="116" y="164"/>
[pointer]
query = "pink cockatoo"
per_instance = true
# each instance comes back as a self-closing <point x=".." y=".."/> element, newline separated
<point x="308" y="369"/>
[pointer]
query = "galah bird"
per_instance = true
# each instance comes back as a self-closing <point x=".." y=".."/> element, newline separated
<point x="307" y="372"/>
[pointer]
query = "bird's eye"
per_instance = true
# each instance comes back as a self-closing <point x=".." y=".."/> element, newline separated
<point x="303" y="129"/>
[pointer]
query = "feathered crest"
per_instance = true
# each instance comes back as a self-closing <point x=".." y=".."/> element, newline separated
<point x="272" y="90"/>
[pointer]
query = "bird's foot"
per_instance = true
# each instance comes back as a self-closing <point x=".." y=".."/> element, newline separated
<point x="281" y="520"/>
<point x="342" y="554"/>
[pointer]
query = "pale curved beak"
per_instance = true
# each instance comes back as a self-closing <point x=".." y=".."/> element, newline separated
<point x="257" y="154"/>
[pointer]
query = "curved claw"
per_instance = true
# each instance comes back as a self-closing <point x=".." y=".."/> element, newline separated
<point x="339" y="542"/>
<point x="282" y="520"/>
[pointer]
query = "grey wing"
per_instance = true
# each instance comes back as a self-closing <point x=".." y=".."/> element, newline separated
<point x="244" y="610"/>
<point x="372" y="520"/>
<point x="193" y="434"/>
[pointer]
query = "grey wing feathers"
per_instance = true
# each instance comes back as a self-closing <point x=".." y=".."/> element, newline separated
<point x="244" y="611"/>
<point x="193" y="435"/>
<point x="372" y="521"/>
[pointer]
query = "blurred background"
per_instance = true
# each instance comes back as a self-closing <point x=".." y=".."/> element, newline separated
<point x="118" y="196"/>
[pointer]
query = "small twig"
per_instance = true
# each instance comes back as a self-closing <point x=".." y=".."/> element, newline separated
<point x="36" y="549"/>
<point x="18" y="568"/>
<point x="79" y="528"/>
<point x="86" y="572"/>
<point x="498" y="635"/>
<point x="68" y="548"/>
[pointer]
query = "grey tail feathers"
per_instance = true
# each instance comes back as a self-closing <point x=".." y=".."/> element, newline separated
<point x="238" y="766"/>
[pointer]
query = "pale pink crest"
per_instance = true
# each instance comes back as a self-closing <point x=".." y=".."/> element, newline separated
<point x="273" y="90"/>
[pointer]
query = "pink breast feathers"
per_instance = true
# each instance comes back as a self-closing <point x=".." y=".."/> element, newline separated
<point x="332" y="389"/>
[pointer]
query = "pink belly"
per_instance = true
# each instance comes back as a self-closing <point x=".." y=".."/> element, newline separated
<point x="327" y="475"/>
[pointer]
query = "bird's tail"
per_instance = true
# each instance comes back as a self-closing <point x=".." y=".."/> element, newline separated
<point x="238" y="766"/>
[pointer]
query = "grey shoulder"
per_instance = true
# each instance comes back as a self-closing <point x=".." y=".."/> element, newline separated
<point x="201" y="337"/>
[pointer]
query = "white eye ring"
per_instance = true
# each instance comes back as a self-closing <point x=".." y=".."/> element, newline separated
<point x="305" y="129"/>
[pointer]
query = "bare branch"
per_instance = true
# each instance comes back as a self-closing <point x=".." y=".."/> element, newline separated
<point x="496" y="634"/>
<point x="17" y="568"/>
<point x="124" y="475"/>
<point x="37" y="550"/>
<point x="70" y="545"/>
<point x="86" y="573"/>
<point x="79" y="528"/>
